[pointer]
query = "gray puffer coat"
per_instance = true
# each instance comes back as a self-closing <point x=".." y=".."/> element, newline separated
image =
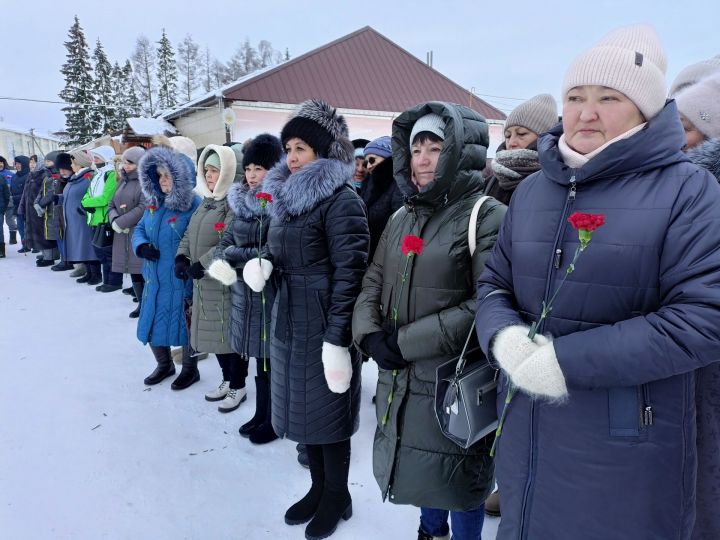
<point x="413" y="462"/>
<point x="210" y="322"/>
<point x="126" y="209"/>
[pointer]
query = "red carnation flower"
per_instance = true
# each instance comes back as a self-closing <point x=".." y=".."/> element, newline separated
<point x="88" y="175"/>
<point x="152" y="208"/>
<point x="586" y="222"/>
<point x="412" y="244"/>
<point x="261" y="195"/>
<point x="219" y="226"/>
<point x="172" y="220"/>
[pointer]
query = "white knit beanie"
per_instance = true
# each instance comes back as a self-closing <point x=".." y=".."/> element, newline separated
<point x="185" y="145"/>
<point x="538" y="114"/>
<point x="694" y="73"/>
<point x="700" y="103"/>
<point x="630" y="60"/>
<point x="430" y="122"/>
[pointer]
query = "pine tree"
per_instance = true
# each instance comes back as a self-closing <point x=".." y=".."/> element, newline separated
<point x="78" y="87"/>
<point x="287" y="54"/>
<point x="103" y="113"/>
<point x="207" y="70"/>
<point x="143" y="64"/>
<point x="235" y="67"/>
<point x="188" y="57"/>
<point x="220" y="74"/>
<point x="119" y="98"/>
<point x="265" y="53"/>
<point x="166" y="74"/>
<point x="250" y="55"/>
<point x="131" y="102"/>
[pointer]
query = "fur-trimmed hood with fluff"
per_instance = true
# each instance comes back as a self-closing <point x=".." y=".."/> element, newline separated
<point x="228" y="166"/>
<point x="180" y="168"/>
<point x="243" y="201"/>
<point x="707" y="156"/>
<point x="296" y="193"/>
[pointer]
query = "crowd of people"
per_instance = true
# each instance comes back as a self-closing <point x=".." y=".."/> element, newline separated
<point x="291" y="251"/>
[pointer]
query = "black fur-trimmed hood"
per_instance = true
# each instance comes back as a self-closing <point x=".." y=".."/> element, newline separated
<point x="182" y="171"/>
<point x="295" y="194"/>
<point x="707" y="156"/>
<point x="243" y="201"/>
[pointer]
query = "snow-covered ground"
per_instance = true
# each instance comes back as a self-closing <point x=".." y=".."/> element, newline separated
<point x="87" y="451"/>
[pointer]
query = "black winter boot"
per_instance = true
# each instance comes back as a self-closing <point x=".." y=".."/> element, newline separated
<point x="189" y="374"/>
<point x="260" y="409"/>
<point x="165" y="367"/>
<point x="264" y="432"/>
<point x="13" y="237"/>
<point x="304" y="510"/>
<point x="335" y="502"/>
<point x="95" y="275"/>
<point x="2" y="250"/>
<point x="138" y="287"/>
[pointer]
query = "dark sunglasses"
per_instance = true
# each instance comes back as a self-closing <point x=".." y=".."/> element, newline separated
<point x="370" y="160"/>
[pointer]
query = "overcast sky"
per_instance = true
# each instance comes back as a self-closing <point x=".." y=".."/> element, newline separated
<point x="499" y="48"/>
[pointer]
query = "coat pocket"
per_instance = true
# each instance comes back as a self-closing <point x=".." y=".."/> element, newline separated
<point x="629" y="412"/>
<point x="321" y="310"/>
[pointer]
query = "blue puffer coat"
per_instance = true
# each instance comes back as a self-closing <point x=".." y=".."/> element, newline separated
<point x="162" y="316"/>
<point x="634" y="321"/>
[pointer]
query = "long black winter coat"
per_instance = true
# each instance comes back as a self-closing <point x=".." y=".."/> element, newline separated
<point x="382" y="197"/>
<point x="4" y="197"/>
<point x="238" y="245"/>
<point x="34" y="224"/>
<point x="318" y="242"/>
<point x="18" y="182"/>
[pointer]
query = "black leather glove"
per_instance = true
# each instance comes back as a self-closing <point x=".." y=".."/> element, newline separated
<point x="383" y="348"/>
<point x="196" y="271"/>
<point x="148" y="251"/>
<point x="81" y="211"/>
<point x="182" y="263"/>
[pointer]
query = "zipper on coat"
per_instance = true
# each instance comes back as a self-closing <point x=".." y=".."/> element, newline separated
<point x="647" y="409"/>
<point x="569" y="201"/>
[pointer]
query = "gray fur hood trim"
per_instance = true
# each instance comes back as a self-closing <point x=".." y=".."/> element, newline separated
<point x="243" y="202"/>
<point x="297" y="193"/>
<point x="182" y="171"/>
<point x="707" y="156"/>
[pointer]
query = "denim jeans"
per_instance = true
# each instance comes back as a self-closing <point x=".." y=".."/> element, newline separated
<point x="465" y="525"/>
<point x="61" y="248"/>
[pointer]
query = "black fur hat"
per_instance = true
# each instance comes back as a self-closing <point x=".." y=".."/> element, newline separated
<point x="264" y="150"/>
<point x="63" y="161"/>
<point x="319" y="125"/>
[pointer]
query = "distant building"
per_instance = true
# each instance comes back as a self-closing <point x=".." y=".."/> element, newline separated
<point x="15" y="141"/>
<point x="370" y="79"/>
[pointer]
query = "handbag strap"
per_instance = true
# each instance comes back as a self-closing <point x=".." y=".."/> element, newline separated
<point x="461" y="361"/>
<point x="472" y="226"/>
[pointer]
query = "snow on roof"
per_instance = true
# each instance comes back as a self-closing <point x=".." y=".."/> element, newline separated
<point x="4" y="126"/>
<point x="217" y="93"/>
<point x="151" y="126"/>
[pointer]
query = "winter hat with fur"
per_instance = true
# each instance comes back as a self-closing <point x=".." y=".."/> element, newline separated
<point x="538" y="114"/>
<point x="700" y="103"/>
<point x="133" y="154"/>
<point x="694" y="73"/>
<point x="264" y="150"/>
<point x="380" y="147"/>
<point x="81" y="158"/>
<point x="430" y="122"/>
<point x="630" y="60"/>
<point x="64" y="161"/>
<point x="318" y="124"/>
<point x="359" y="146"/>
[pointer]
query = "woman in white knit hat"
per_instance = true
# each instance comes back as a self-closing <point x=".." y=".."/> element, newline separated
<point x="699" y="107"/>
<point x="599" y="440"/>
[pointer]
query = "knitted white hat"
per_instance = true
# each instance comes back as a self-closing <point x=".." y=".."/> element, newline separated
<point x="185" y="145"/>
<point x="630" y="60"/>
<point x="700" y="103"/>
<point x="693" y="73"/>
<point x="430" y="122"/>
<point x="538" y="114"/>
